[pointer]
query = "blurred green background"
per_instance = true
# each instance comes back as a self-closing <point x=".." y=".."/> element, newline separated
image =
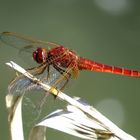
<point x="107" y="31"/>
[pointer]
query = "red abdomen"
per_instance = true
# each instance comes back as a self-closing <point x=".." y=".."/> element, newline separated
<point x="85" y="64"/>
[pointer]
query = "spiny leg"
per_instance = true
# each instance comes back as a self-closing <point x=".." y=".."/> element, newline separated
<point x="48" y="70"/>
<point x="38" y="70"/>
<point x="71" y="70"/>
<point x="64" y="75"/>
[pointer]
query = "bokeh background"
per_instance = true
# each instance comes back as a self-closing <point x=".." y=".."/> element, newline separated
<point x="106" y="31"/>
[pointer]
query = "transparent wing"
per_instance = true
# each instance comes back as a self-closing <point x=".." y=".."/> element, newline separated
<point x="21" y="84"/>
<point x="21" y="42"/>
<point x="25" y="46"/>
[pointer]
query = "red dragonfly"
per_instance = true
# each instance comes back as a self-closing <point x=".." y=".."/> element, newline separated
<point x="60" y="63"/>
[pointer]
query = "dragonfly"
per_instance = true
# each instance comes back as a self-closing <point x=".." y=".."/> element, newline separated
<point x="56" y="63"/>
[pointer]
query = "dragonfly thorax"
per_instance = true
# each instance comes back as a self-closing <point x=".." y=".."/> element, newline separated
<point x="62" y="57"/>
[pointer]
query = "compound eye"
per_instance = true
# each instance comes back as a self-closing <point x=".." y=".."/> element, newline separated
<point x="40" y="55"/>
<point x="35" y="55"/>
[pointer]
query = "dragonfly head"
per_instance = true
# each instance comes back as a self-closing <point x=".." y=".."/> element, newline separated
<point x="40" y="55"/>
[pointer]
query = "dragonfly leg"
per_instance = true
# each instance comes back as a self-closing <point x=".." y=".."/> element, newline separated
<point x="54" y="86"/>
<point x="67" y="80"/>
<point x="48" y="74"/>
<point x="64" y="75"/>
<point x="38" y="70"/>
